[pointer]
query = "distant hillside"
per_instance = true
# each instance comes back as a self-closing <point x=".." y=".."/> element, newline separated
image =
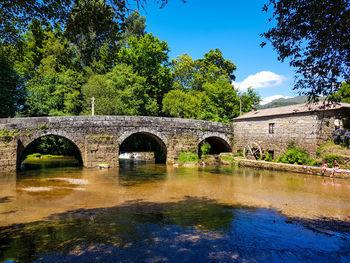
<point x="285" y="102"/>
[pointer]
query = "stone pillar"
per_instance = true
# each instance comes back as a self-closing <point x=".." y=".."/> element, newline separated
<point x="178" y="144"/>
<point x="8" y="154"/>
<point x="101" y="149"/>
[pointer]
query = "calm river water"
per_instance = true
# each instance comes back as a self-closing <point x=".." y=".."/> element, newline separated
<point x="158" y="213"/>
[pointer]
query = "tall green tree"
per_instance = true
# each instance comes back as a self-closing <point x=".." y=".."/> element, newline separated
<point x="56" y="87"/>
<point x="55" y="94"/>
<point x="314" y="36"/>
<point x="15" y="16"/>
<point x="202" y="89"/>
<point x="11" y="90"/>
<point x="90" y="24"/>
<point x="183" y="104"/>
<point x="149" y="58"/>
<point x="119" y="92"/>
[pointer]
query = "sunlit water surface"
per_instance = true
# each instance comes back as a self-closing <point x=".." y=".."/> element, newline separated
<point x="158" y="213"/>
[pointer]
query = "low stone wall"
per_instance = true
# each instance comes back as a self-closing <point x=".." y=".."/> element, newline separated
<point x="291" y="168"/>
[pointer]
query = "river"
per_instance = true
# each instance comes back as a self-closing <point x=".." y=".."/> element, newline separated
<point x="144" y="212"/>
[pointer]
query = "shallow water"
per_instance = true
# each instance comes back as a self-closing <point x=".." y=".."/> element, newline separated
<point x="158" y="213"/>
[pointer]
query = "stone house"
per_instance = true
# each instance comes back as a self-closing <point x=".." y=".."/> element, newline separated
<point x="306" y="125"/>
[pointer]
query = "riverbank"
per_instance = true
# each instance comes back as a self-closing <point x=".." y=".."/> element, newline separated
<point x="341" y="173"/>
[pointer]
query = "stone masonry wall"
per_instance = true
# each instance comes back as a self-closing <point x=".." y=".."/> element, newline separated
<point x="98" y="138"/>
<point x="8" y="153"/>
<point x="305" y="130"/>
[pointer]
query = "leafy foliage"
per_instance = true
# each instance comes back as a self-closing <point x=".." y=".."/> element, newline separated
<point x="11" y="90"/>
<point x="314" y="36"/>
<point x="205" y="148"/>
<point x="202" y="89"/>
<point x="148" y="57"/>
<point x="343" y="94"/>
<point x="188" y="158"/>
<point x="294" y="156"/>
<point x="55" y="94"/>
<point x="342" y="137"/>
<point x="119" y="92"/>
<point x="330" y="158"/>
<point x="16" y="16"/>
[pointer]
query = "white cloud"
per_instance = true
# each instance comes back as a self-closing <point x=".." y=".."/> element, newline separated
<point x="262" y="79"/>
<point x="271" y="98"/>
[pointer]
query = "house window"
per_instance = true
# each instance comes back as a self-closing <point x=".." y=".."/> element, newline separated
<point x="271" y="128"/>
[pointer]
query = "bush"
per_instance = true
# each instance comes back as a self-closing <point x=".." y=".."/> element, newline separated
<point x="294" y="156"/>
<point x="230" y="159"/>
<point x="342" y="137"/>
<point x="205" y="149"/>
<point x="239" y="153"/>
<point x="269" y="157"/>
<point x="188" y="157"/>
<point x="330" y="158"/>
<point x="313" y="162"/>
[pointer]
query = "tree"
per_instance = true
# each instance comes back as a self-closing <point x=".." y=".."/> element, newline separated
<point x="148" y="57"/>
<point x="135" y="26"/>
<point x="202" y="89"/>
<point x="314" y="35"/>
<point x="119" y="92"/>
<point x="90" y="24"/>
<point x="343" y="94"/>
<point x="249" y="99"/>
<point x="56" y="87"/>
<point x="55" y="94"/>
<point x="15" y="16"/>
<point x="11" y="90"/>
<point x="183" y="104"/>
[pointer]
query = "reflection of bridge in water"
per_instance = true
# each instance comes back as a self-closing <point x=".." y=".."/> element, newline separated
<point x="101" y="138"/>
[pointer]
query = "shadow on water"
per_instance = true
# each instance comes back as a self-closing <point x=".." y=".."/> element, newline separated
<point x="132" y="172"/>
<point x="192" y="230"/>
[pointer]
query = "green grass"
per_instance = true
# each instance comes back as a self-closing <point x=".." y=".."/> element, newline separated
<point x="230" y="159"/>
<point x="188" y="158"/>
<point x="43" y="156"/>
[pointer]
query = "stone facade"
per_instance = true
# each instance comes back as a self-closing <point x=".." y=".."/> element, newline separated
<point x="98" y="138"/>
<point x="306" y="129"/>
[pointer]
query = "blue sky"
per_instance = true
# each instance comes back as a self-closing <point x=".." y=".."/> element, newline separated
<point x="233" y="26"/>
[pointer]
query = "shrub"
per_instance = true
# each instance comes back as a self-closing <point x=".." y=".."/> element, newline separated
<point x="230" y="159"/>
<point x="205" y="149"/>
<point x="188" y="157"/>
<point x="329" y="159"/>
<point x="342" y="137"/>
<point x="313" y="162"/>
<point x="294" y="155"/>
<point x="269" y="157"/>
<point x="239" y="153"/>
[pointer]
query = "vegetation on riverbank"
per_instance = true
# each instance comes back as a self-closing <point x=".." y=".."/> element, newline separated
<point x="44" y="156"/>
<point x="327" y="153"/>
<point x="188" y="158"/>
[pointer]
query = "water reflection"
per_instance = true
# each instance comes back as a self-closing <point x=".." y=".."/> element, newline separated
<point x="133" y="171"/>
<point x="58" y="162"/>
<point x="158" y="213"/>
<point x="195" y="229"/>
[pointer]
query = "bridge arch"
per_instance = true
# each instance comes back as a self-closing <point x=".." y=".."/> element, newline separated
<point x="219" y="143"/>
<point x="149" y="140"/>
<point x="24" y="145"/>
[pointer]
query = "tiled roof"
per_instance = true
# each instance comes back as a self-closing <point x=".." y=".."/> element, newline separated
<point x="299" y="108"/>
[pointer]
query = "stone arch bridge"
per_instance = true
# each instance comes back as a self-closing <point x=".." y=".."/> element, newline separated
<point x="98" y="138"/>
